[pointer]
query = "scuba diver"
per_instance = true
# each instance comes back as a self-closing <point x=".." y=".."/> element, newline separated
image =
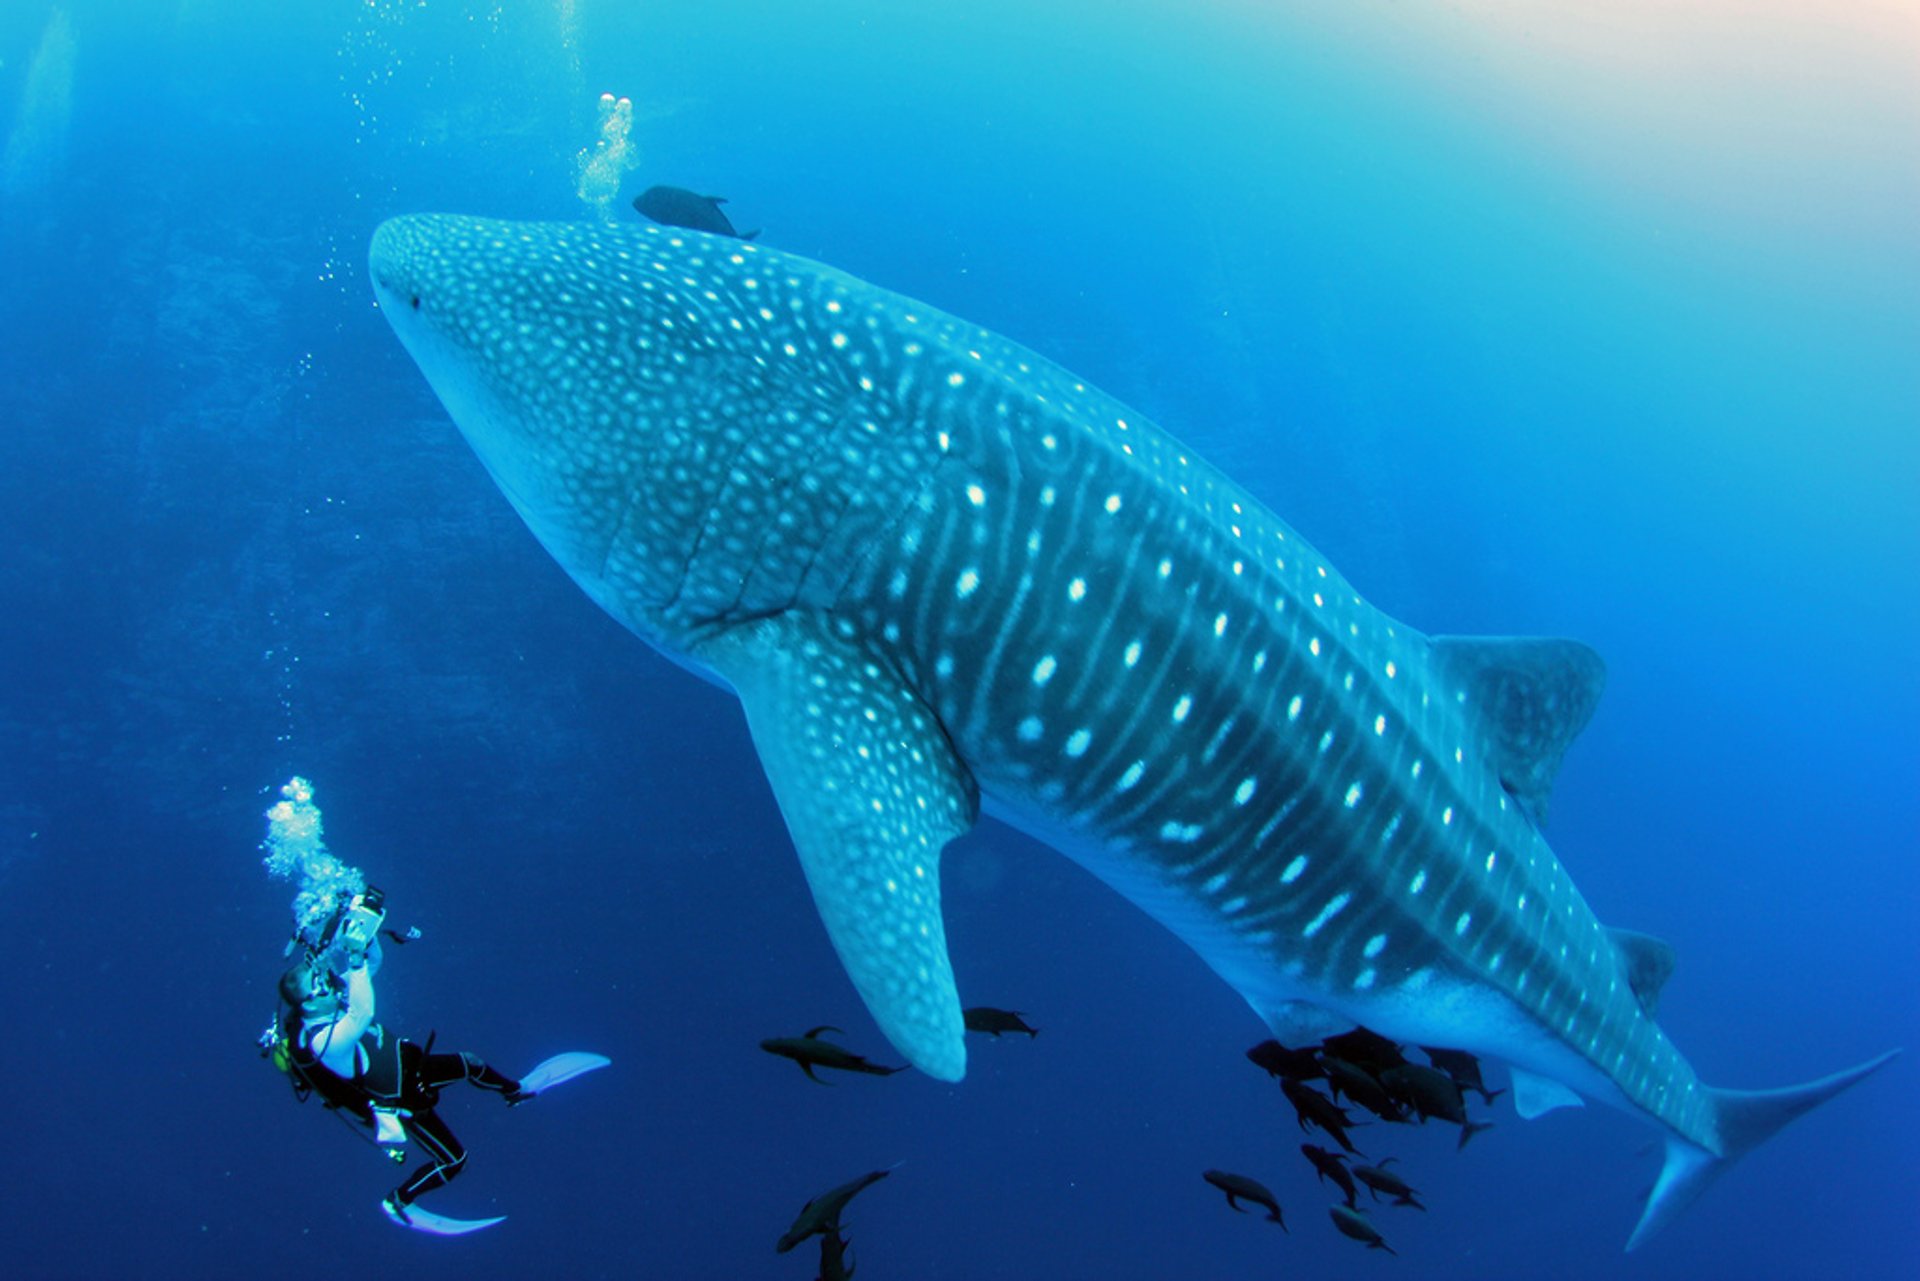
<point x="327" y="1040"/>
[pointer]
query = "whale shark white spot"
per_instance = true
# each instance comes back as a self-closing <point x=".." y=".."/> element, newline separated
<point x="1327" y="913"/>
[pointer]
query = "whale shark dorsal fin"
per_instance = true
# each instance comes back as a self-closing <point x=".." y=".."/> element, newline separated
<point x="1534" y="697"/>
<point x="1649" y="964"/>
<point x="1535" y="1095"/>
<point x="871" y="791"/>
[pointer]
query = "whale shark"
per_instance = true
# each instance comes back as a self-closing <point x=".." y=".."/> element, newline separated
<point x="944" y="576"/>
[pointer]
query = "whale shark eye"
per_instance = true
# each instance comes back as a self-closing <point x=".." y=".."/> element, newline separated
<point x="416" y="302"/>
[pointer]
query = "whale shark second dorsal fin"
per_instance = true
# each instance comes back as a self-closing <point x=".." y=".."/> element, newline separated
<point x="1534" y="696"/>
<point x="871" y="791"/>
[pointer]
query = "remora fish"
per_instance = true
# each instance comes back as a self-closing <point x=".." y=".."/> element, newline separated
<point x="936" y="567"/>
<point x="1278" y="1060"/>
<point x="984" y="1018"/>
<point x="1464" y="1069"/>
<point x="821" y="1215"/>
<point x="1329" y="1167"/>
<point x="678" y="207"/>
<point x="1352" y="1223"/>
<point x="1311" y="1107"/>
<point x="1239" y="1187"/>
<point x="1380" y="1179"/>
<point x="833" y="1258"/>
<point x="810" y="1052"/>
<point x="1360" y="1087"/>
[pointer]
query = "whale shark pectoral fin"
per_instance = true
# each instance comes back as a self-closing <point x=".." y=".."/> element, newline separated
<point x="871" y="791"/>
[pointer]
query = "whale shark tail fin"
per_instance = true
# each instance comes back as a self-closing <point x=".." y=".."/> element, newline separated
<point x="1747" y="1118"/>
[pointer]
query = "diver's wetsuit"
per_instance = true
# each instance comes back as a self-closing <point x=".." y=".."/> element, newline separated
<point x="422" y="1076"/>
<point x="400" y="1074"/>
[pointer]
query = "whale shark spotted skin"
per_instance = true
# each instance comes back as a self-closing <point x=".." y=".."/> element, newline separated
<point x="941" y="572"/>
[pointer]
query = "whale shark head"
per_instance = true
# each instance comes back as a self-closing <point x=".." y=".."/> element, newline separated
<point x="601" y="376"/>
<point x="699" y="430"/>
<point x="478" y="309"/>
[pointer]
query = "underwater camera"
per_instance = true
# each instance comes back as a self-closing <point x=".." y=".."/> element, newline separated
<point x="357" y="919"/>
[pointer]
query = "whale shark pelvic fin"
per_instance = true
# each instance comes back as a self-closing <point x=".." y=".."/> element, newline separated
<point x="1535" y="1095"/>
<point x="871" y="791"/>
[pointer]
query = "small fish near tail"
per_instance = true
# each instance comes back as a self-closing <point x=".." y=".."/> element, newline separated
<point x="1745" y="1119"/>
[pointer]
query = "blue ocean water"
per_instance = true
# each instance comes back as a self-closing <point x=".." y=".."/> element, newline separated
<point x="1542" y="319"/>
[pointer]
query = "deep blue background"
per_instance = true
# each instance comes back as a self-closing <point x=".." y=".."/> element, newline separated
<point x="1505" y="389"/>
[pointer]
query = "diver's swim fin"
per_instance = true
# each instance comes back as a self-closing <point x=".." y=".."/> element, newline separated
<point x="544" y="1076"/>
<point x="438" y="1225"/>
<point x="561" y="1067"/>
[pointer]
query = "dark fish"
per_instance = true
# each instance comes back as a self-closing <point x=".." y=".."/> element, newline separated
<point x="1363" y="1047"/>
<point x="1380" y="1179"/>
<point x="678" y="207"/>
<point x="1239" y="1187"/>
<point x="1329" y="1166"/>
<point x="1360" y="1087"/>
<point x="984" y="1018"/>
<point x="1464" y="1068"/>
<point x="1432" y="1093"/>
<point x="810" y="1052"/>
<point x="1278" y="1060"/>
<point x="822" y="1214"/>
<point x="1428" y="1091"/>
<point x="1311" y="1106"/>
<point x="1354" y="1224"/>
<point x="833" y="1258"/>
